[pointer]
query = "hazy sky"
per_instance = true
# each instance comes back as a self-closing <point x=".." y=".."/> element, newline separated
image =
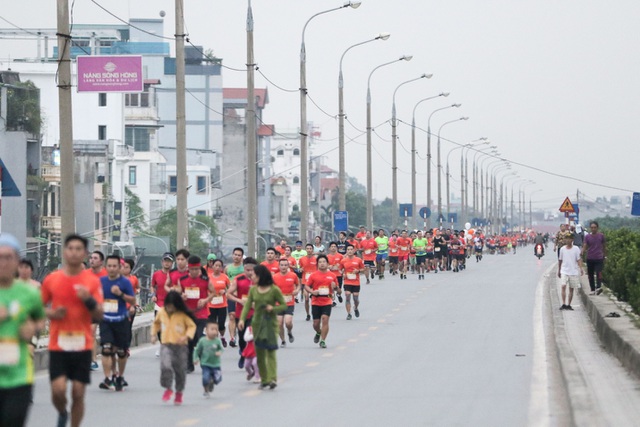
<point x="554" y="84"/>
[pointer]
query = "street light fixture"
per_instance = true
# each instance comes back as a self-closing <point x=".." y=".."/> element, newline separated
<point x="304" y="166"/>
<point x="369" y="160"/>
<point x="413" y="153"/>
<point x="394" y="152"/>
<point x="440" y="165"/>
<point x="341" y="168"/>
<point x="464" y="176"/>
<point x="448" y="177"/>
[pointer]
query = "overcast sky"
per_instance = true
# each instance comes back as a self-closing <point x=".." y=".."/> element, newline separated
<point x="554" y="84"/>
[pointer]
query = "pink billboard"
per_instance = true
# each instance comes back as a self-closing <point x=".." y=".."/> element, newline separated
<point x="110" y="73"/>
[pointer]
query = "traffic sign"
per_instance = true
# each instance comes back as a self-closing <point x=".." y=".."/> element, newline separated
<point x="406" y="210"/>
<point x="453" y="217"/>
<point x="635" y="204"/>
<point x="341" y="221"/>
<point x="9" y="187"/>
<point x="425" y="212"/>
<point x="566" y="206"/>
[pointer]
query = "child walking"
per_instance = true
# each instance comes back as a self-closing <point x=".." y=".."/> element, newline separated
<point x="207" y="353"/>
<point x="177" y="327"/>
<point x="250" y="359"/>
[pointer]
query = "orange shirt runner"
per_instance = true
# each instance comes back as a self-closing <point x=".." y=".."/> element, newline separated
<point x="334" y="263"/>
<point x="73" y="332"/>
<point x="220" y="285"/>
<point x="350" y="265"/>
<point x="369" y="248"/>
<point x="322" y="282"/>
<point x="309" y="265"/>
<point x="287" y="284"/>
<point x="404" y="246"/>
<point x="274" y="266"/>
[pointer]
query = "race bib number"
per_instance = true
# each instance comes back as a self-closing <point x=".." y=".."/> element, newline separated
<point x="192" y="293"/>
<point x="110" y="306"/>
<point x="9" y="353"/>
<point x="437" y="249"/>
<point x="217" y="300"/>
<point x="352" y="276"/>
<point x="323" y="291"/>
<point x="368" y="251"/>
<point x="288" y="298"/>
<point x="72" y="341"/>
<point x="404" y="248"/>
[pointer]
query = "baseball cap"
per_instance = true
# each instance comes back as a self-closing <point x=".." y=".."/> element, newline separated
<point x="9" y="240"/>
<point x="168" y="255"/>
<point x="211" y="257"/>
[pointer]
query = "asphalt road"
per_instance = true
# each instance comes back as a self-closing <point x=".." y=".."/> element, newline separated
<point x="455" y="349"/>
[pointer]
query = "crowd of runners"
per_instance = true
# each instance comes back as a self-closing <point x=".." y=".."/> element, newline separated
<point x="202" y="306"/>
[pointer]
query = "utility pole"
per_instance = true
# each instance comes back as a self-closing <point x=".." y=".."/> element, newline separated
<point x="250" y="116"/>
<point x="182" y="239"/>
<point x="67" y="194"/>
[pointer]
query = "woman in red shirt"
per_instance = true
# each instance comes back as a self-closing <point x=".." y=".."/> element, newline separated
<point x="218" y="305"/>
<point x="320" y="285"/>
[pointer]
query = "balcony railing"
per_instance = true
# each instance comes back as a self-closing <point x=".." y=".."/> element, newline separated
<point x="50" y="173"/>
<point x="52" y="223"/>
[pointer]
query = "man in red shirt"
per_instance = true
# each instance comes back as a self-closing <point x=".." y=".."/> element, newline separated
<point x="321" y="286"/>
<point x="239" y="293"/>
<point x="404" y="247"/>
<point x="352" y="267"/>
<point x="74" y="296"/>
<point x="369" y="248"/>
<point x="309" y="265"/>
<point x="271" y="262"/>
<point x="362" y="234"/>
<point x="393" y="253"/>
<point x="181" y="270"/>
<point x="334" y="258"/>
<point x="289" y="284"/>
<point x="282" y="248"/>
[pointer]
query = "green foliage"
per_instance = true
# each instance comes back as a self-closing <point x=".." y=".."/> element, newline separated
<point x="622" y="267"/>
<point x="615" y="223"/>
<point x="23" y="108"/>
<point x="199" y="237"/>
<point x="135" y="213"/>
<point x="383" y="214"/>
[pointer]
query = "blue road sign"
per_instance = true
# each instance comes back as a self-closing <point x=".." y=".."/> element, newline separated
<point x="575" y="215"/>
<point x="341" y="221"/>
<point x="635" y="204"/>
<point x="406" y="210"/>
<point x="9" y="187"/>
<point x="425" y="212"/>
<point x="453" y="217"/>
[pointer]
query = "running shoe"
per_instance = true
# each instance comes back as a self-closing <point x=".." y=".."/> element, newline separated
<point x="563" y="307"/>
<point x="333" y="304"/>
<point x="94" y="366"/>
<point x="224" y="342"/>
<point x="323" y="344"/>
<point x="107" y="384"/>
<point x="166" y="396"/>
<point x="373" y="273"/>
<point x="157" y="353"/>
<point x="124" y="382"/>
<point x="262" y="386"/>
<point x="296" y="300"/>
<point x="340" y="298"/>
<point x="308" y="317"/>
<point x="283" y="344"/>
<point x="241" y="362"/>
<point x="349" y="316"/>
<point x="569" y="308"/>
<point x="119" y="384"/>
<point x="206" y="394"/>
<point x="316" y="339"/>
<point x="291" y="338"/>
<point x="367" y="280"/>
<point x="211" y="385"/>
<point x="232" y="343"/>
<point x="356" y="312"/>
<point x="178" y="399"/>
<point x="63" y="419"/>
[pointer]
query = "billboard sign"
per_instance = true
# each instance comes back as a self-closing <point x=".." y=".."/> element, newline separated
<point x="110" y="73"/>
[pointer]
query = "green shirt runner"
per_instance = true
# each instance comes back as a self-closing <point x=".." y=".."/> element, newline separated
<point x="21" y="302"/>
<point x="233" y="271"/>
<point x="383" y="244"/>
<point x="420" y="245"/>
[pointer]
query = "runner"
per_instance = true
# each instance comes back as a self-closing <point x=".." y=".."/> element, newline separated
<point x="25" y="273"/>
<point x="362" y="234"/>
<point x="393" y="254"/>
<point x="404" y="244"/>
<point x="238" y="292"/>
<point x="318" y="247"/>
<point x="369" y="247"/>
<point x="431" y="259"/>
<point x="96" y="265"/>
<point x="127" y="267"/>
<point x="352" y="267"/>
<point x="321" y="285"/>
<point x="232" y="271"/>
<point x="309" y="265"/>
<point x="160" y="287"/>
<point x="334" y="258"/>
<point x="289" y="284"/>
<point x="218" y="305"/>
<point x="271" y="262"/>
<point x="181" y="270"/>
<point x="207" y="353"/>
<point x="293" y="263"/>
<point x="282" y="248"/>
<point x="197" y="292"/>
<point x="75" y="298"/>
<point x="342" y="243"/>
<point x="420" y="246"/>
<point x="210" y="259"/>
<point x="439" y="250"/>
<point x="21" y="317"/>
<point x="115" y="335"/>
<point x="478" y="246"/>
<point x="454" y="252"/>
<point x="381" y="254"/>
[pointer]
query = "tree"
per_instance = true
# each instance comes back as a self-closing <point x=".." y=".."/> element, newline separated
<point x="23" y="108"/>
<point x="383" y="213"/>
<point x="356" y="206"/>
<point x="167" y="226"/>
<point x="355" y="187"/>
<point x="135" y="213"/>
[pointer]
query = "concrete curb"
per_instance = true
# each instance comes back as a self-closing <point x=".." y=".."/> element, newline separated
<point x="141" y="334"/>
<point x="617" y="334"/>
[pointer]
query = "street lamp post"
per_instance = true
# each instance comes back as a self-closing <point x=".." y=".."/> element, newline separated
<point x="465" y="176"/>
<point x="413" y="154"/>
<point x="394" y="152"/>
<point x="304" y="166"/>
<point x="475" y="168"/>
<point x="440" y="166"/>
<point x="429" y="155"/>
<point x="369" y="160"/>
<point x="341" y="168"/>
<point x="530" y="210"/>
<point x="484" y="183"/>
<point x="448" y="176"/>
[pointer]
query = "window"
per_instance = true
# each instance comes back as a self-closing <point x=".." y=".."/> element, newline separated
<point x="138" y="137"/>
<point x="202" y="186"/>
<point x="296" y="180"/>
<point x="296" y="151"/>
<point x="201" y="213"/>
<point x="173" y="184"/>
<point x="102" y="100"/>
<point x="133" y="175"/>
<point x="280" y="152"/>
<point x="102" y="132"/>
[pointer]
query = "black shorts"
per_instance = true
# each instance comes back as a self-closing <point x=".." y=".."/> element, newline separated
<point x="14" y="405"/>
<point x="288" y="311"/>
<point x="317" y="311"/>
<point x="354" y="289"/>
<point x="438" y="255"/>
<point x="370" y="263"/>
<point x="75" y="365"/>
<point x="339" y="278"/>
<point x="231" y="307"/>
<point x="115" y="333"/>
<point x="430" y="255"/>
<point x="393" y="259"/>
<point x="421" y="259"/>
